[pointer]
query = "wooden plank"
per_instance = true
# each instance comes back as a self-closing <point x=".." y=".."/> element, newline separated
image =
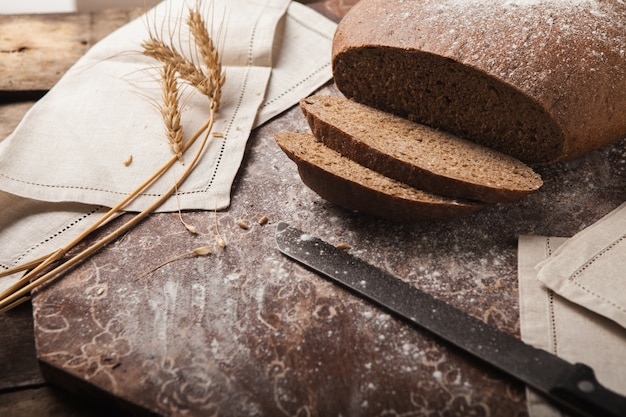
<point x="47" y="401"/>
<point x="18" y="366"/>
<point x="36" y="50"/>
<point x="10" y="116"/>
<point x="246" y="329"/>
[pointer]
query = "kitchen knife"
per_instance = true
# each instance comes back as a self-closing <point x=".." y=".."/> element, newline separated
<point x="571" y="387"/>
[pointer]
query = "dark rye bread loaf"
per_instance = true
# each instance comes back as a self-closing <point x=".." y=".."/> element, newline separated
<point x="541" y="80"/>
<point x="357" y="188"/>
<point x="417" y="155"/>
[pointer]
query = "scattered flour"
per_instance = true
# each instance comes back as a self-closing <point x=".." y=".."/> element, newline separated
<point x="522" y="3"/>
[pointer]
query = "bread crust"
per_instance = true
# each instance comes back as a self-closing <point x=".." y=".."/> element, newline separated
<point x="564" y="61"/>
<point x="358" y="189"/>
<point x="414" y="154"/>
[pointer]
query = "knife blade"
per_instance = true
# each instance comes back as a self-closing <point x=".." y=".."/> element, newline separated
<point x="571" y="387"/>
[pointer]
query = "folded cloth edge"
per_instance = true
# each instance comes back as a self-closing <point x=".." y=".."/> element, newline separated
<point x="569" y="273"/>
<point x="190" y="195"/>
<point x="563" y="327"/>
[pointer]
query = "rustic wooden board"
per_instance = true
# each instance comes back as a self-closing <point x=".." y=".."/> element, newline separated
<point x="36" y="50"/>
<point x="247" y="332"/>
<point x="32" y="58"/>
<point x="48" y="402"/>
<point x="11" y="114"/>
<point x="18" y="366"/>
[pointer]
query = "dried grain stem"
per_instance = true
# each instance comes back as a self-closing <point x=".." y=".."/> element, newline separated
<point x="14" y="304"/>
<point x="23" y="267"/>
<point x="12" y="295"/>
<point x="200" y="251"/>
<point x="191" y="73"/>
<point x="170" y="110"/>
<point x="190" y="228"/>
<point x="187" y="70"/>
<point x="209" y="54"/>
<point x="208" y="83"/>
<point x="220" y="240"/>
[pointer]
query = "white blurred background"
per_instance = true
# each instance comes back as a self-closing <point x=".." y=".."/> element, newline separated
<point x="64" y="6"/>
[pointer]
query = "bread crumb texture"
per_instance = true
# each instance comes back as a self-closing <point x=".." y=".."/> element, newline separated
<point x="541" y="80"/>
<point x="357" y="188"/>
<point x="418" y="155"/>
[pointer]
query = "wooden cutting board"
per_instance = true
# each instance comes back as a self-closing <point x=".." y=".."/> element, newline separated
<point x="245" y="331"/>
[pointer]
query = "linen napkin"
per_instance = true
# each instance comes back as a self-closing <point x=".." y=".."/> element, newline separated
<point x="72" y="145"/>
<point x="590" y="268"/>
<point x="572" y="300"/>
<point x="30" y="229"/>
<point x="64" y="163"/>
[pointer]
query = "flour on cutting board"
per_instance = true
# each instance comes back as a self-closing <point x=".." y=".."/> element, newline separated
<point x="522" y="3"/>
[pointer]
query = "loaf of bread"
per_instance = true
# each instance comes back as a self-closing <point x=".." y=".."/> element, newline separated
<point x="541" y="80"/>
<point x="417" y="155"/>
<point x="357" y="188"/>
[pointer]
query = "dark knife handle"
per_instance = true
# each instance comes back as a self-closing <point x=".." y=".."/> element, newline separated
<point x="581" y="391"/>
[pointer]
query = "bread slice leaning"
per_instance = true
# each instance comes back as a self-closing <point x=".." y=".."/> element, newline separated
<point x="357" y="188"/>
<point x="417" y="155"/>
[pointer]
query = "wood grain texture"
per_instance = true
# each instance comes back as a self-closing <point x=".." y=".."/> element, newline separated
<point x="11" y="114"/>
<point x="18" y="367"/>
<point x="45" y="401"/>
<point x="36" y="50"/>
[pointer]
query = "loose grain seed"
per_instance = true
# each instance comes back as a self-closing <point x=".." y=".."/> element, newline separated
<point x="202" y="251"/>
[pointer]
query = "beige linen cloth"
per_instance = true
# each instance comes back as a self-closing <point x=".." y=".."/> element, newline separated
<point x="66" y="159"/>
<point x="573" y="300"/>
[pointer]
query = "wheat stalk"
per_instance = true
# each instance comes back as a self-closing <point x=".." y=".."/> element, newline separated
<point x="209" y="85"/>
<point x="200" y="251"/>
<point x="170" y="110"/>
<point x="19" y="293"/>
<point x="209" y="54"/>
<point x="187" y="70"/>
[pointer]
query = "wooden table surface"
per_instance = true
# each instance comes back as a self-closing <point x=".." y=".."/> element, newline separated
<point x="247" y="332"/>
<point x="35" y="51"/>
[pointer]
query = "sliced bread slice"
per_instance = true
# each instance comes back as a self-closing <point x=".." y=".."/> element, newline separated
<point x="417" y="155"/>
<point x="357" y="188"/>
